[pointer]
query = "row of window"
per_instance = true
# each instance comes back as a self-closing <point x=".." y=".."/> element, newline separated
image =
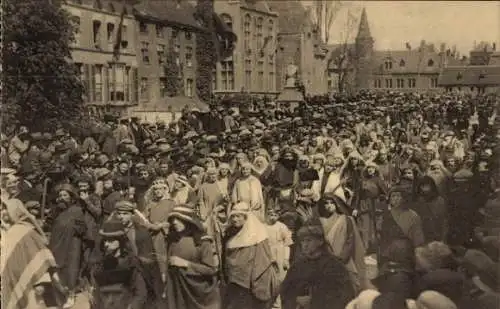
<point x="160" y="32"/>
<point x="227" y="78"/>
<point x="98" y="32"/>
<point x="402" y="83"/>
<point x="103" y="83"/>
<point x="258" y="36"/>
<point x="161" y="54"/>
<point x="402" y="64"/>
<point x="145" y="87"/>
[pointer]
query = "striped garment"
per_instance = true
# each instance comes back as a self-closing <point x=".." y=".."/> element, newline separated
<point x="24" y="260"/>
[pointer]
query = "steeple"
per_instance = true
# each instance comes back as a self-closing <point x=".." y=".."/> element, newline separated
<point x="364" y="27"/>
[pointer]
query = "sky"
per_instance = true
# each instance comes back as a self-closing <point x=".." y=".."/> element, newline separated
<point x="393" y="23"/>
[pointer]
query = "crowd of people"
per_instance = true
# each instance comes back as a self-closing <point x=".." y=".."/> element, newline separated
<point x="373" y="200"/>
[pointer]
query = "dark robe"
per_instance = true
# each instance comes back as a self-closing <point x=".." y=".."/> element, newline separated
<point x="324" y="279"/>
<point x="194" y="287"/>
<point x="68" y="231"/>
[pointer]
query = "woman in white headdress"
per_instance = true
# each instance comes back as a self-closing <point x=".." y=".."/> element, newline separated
<point x="250" y="272"/>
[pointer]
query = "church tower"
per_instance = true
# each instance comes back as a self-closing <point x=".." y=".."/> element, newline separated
<point x="364" y="54"/>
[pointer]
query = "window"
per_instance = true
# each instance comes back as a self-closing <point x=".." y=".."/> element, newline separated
<point x="163" y="87"/>
<point x="175" y="35"/>
<point x="144" y="89"/>
<point x="434" y="82"/>
<point x="400" y="83"/>
<point x="402" y="63"/>
<point x="135" y="85"/>
<point x="188" y="35"/>
<point x="145" y="52"/>
<point x="248" y="79"/>
<point x="110" y="31"/>
<point x="388" y="64"/>
<point x="260" y="75"/>
<point x="75" y="21"/>
<point x="177" y="48"/>
<point x="412" y="83"/>
<point x="117" y="83"/>
<point x="160" y="50"/>
<point x="111" y="7"/>
<point x="96" y="71"/>
<point x="260" y="33"/>
<point x="124" y="37"/>
<point x="271" y="27"/>
<point x="227" y="20"/>
<point x="96" y="26"/>
<point x="227" y="75"/>
<point x="246" y="31"/>
<point x="159" y="31"/>
<point x="189" y="56"/>
<point x="377" y="83"/>
<point x="189" y="87"/>
<point x="143" y="27"/>
<point x="430" y="63"/>
<point x="271" y="81"/>
<point x="388" y="83"/>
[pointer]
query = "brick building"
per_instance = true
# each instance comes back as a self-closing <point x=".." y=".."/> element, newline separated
<point x="111" y="85"/>
<point x="409" y="69"/>
<point x="299" y="43"/>
<point x="252" y="66"/>
<point x="165" y="27"/>
<point x="481" y="75"/>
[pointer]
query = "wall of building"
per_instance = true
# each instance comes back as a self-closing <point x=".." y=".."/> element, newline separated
<point x="405" y="82"/>
<point x="252" y="67"/>
<point x="154" y="42"/>
<point x="108" y="82"/>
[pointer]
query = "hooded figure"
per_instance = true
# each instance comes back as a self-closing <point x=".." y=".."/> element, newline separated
<point x="431" y="208"/>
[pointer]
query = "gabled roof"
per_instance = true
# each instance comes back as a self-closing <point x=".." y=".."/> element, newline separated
<point x="409" y="61"/>
<point x="180" y="13"/>
<point x="481" y="75"/>
<point x="257" y="5"/>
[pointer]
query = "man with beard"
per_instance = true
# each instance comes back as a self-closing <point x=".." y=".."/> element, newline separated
<point x="283" y="177"/>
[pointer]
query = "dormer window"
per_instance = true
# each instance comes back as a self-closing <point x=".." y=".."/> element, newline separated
<point x="430" y="63"/>
<point x="402" y="63"/>
<point x="459" y="76"/>
<point x="111" y="7"/>
<point x="482" y="75"/>
<point x="388" y="64"/>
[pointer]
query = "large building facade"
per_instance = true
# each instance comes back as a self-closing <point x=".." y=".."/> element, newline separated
<point x="166" y="29"/>
<point x="252" y="66"/>
<point x="111" y="83"/>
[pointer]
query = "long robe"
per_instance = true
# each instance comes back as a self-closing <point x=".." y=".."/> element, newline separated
<point x="209" y="196"/>
<point x="345" y="242"/>
<point x="251" y="275"/>
<point x="249" y="190"/>
<point x="194" y="287"/>
<point x="66" y="238"/>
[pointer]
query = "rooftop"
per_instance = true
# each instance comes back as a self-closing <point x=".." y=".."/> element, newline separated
<point x="481" y="75"/>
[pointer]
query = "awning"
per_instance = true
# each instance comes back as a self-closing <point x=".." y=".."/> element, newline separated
<point x="173" y="104"/>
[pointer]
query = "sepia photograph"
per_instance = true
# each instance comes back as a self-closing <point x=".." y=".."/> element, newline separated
<point x="250" y="154"/>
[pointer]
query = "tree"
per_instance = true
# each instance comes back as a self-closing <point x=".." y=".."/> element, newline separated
<point x="205" y="50"/>
<point x="172" y="71"/>
<point x="343" y="57"/>
<point x="325" y="13"/>
<point x="41" y="85"/>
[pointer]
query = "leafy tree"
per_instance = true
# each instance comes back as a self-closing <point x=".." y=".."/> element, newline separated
<point x="205" y="50"/>
<point x="41" y="86"/>
<point x="172" y="71"/>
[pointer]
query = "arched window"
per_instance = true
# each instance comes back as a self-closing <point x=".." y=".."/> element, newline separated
<point x="247" y="25"/>
<point x="260" y="32"/>
<point x="402" y="63"/>
<point x="430" y="63"/>
<point x="226" y="18"/>
<point x="271" y="27"/>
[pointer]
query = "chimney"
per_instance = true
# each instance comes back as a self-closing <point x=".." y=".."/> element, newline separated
<point x="442" y="47"/>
